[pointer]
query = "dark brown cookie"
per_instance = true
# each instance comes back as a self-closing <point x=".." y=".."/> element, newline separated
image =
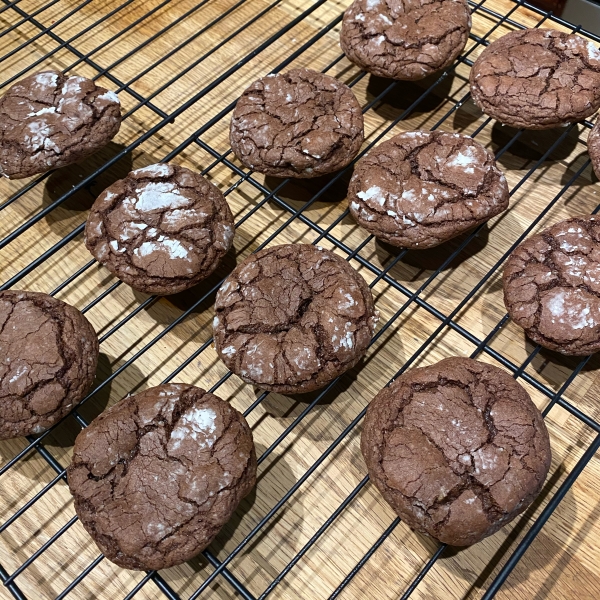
<point x="291" y="318"/>
<point x="161" y="230"/>
<point x="457" y="449"/>
<point x="537" y="79"/>
<point x="594" y="147"/>
<point x="405" y="40"/>
<point x="49" y="120"/>
<point x="552" y="286"/>
<point x="157" y="475"/>
<point x="421" y="188"/>
<point x="48" y="358"/>
<point x="299" y="124"/>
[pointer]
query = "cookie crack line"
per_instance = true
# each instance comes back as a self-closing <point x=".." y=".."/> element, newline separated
<point x="57" y="317"/>
<point x="443" y="383"/>
<point x="434" y="40"/>
<point x="295" y="140"/>
<point x="462" y="195"/>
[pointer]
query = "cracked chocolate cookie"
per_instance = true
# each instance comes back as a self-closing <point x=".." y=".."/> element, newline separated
<point x="552" y="286"/>
<point x="291" y="318"/>
<point x="161" y="230"/>
<point x="537" y="79"/>
<point x="50" y="120"/>
<point x="48" y="358"/>
<point x="299" y="124"/>
<point x="405" y="40"/>
<point x="457" y="449"/>
<point x="156" y="476"/>
<point x="420" y="188"/>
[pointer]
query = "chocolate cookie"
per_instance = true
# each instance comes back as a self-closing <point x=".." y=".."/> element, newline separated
<point x="421" y="188"/>
<point x="48" y="358"/>
<point x="299" y="124"/>
<point x="537" y="79"/>
<point x="291" y="318"/>
<point x="593" y="143"/>
<point x="552" y="286"/>
<point x="161" y="230"/>
<point x="49" y="120"/>
<point x="405" y="40"/>
<point x="457" y="449"/>
<point x="157" y="475"/>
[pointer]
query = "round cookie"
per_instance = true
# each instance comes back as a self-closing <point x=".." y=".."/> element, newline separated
<point x="298" y="124"/>
<point x="156" y="476"/>
<point x="421" y="188"/>
<point x="593" y="143"/>
<point x="161" y="230"/>
<point x="457" y="449"/>
<point x="49" y="120"/>
<point x="292" y="318"/>
<point x="48" y="358"/>
<point x="405" y="40"/>
<point x="552" y="286"/>
<point x="537" y="79"/>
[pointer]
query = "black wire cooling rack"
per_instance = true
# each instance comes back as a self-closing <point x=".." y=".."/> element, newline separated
<point x="35" y="28"/>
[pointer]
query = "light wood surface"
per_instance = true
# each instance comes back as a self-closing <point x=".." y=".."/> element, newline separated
<point x="561" y="563"/>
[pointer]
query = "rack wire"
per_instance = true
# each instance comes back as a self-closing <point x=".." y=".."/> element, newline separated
<point x="148" y="74"/>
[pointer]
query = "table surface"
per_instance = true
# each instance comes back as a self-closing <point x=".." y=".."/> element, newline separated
<point x="563" y="560"/>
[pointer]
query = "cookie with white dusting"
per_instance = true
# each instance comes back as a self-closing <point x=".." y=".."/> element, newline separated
<point x="552" y="286"/>
<point x="421" y="188"/>
<point x="161" y="230"/>
<point x="405" y="40"/>
<point x="156" y="476"/>
<point x="537" y="78"/>
<point x="291" y="318"/>
<point x="457" y="449"/>
<point x="49" y="120"/>
<point x="298" y="124"/>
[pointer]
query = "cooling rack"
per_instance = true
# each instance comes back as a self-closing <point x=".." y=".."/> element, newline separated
<point x="314" y="527"/>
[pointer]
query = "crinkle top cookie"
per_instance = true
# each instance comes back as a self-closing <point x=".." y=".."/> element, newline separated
<point x="537" y="79"/>
<point x="50" y="120"/>
<point x="297" y="124"/>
